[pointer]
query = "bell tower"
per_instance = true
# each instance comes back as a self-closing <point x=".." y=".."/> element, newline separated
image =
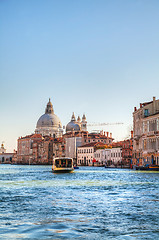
<point x="84" y="123"/>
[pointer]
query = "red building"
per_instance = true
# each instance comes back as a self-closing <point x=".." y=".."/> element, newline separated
<point x="127" y="150"/>
<point x="36" y="149"/>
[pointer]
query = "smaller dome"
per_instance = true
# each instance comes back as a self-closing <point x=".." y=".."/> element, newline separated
<point x="71" y="126"/>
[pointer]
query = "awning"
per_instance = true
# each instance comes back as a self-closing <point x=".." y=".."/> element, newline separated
<point x="94" y="160"/>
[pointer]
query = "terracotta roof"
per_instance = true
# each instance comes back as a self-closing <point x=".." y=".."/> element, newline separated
<point x="146" y="103"/>
<point x="6" y="153"/>
<point x="93" y="144"/>
<point x="36" y="136"/>
<point x="32" y="136"/>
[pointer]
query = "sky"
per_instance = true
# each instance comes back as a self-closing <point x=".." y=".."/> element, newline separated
<point x="96" y="57"/>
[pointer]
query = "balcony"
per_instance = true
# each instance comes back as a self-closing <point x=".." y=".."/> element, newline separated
<point x="150" y="133"/>
<point x="136" y="137"/>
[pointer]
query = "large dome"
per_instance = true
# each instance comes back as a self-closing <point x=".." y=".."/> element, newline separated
<point x="49" y="123"/>
<point x="49" y="120"/>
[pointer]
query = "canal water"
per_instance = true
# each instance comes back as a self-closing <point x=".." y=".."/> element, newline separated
<point x="91" y="203"/>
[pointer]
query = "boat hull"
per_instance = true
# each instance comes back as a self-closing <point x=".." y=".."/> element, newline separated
<point x="148" y="168"/>
<point x="153" y="168"/>
<point x="62" y="170"/>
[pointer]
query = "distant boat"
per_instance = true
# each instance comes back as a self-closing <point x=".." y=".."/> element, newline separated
<point x="62" y="165"/>
<point x="154" y="168"/>
<point x="76" y="167"/>
<point x="147" y="168"/>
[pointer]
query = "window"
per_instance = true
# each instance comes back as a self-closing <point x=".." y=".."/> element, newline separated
<point x="146" y="112"/>
<point x="148" y="126"/>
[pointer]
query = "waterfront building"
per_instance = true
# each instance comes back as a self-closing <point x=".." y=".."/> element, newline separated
<point x="103" y="157"/>
<point x="49" y="124"/>
<point x="74" y="139"/>
<point x="71" y="145"/>
<point x="146" y="133"/>
<point x="116" y="156"/>
<point x="86" y="154"/>
<point x="4" y="156"/>
<point x="127" y="149"/>
<point x="38" y="149"/>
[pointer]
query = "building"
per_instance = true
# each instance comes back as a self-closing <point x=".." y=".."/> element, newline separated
<point x="116" y="156"/>
<point x="127" y="150"/>
<point x="103" y="157"/>
<point x="71" y="145"/>
<point x="78" y="125"/>
<point x="74" y="139"/>
<point x="5" y="157"/>
<point x="146" y="133"/>
<point x="38" y="149"/>
<point x="49" y="124"/>
<point x="86" y="154"/>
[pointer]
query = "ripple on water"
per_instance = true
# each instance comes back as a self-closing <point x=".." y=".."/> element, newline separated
<point x="91" y="203"/>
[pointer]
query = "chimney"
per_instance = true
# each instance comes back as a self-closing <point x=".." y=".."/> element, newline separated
<point x="135" y="109"/>
<point x="131" y="134"/>
<point x="154" y="105"/>
<point x="110" y="135"/>
<point x="104" y="133"/>
<point x="107" y="134"/>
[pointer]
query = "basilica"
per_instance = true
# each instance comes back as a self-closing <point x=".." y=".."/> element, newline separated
<point x="50" y="141"/>
<point x="49" y="124"/>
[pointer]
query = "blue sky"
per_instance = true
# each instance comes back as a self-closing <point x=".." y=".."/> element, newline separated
<point x="95" y="57"/>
